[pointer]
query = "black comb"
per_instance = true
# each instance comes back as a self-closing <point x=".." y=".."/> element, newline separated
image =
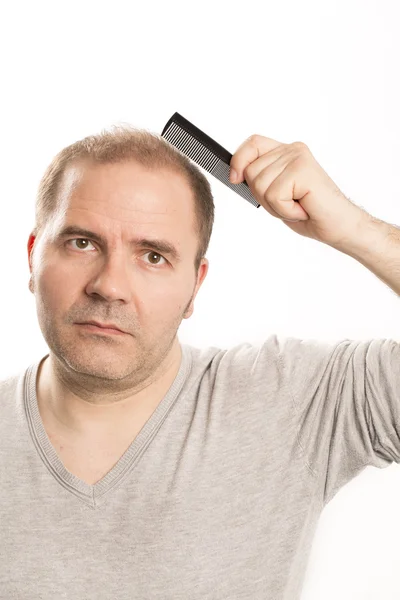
<point x="204" y="151"/>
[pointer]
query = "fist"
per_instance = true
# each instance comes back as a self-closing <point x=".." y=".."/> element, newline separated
<point x="291" y="185"/>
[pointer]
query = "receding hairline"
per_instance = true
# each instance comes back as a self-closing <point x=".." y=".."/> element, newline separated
<point x="78" y="164"/>
<point x="73" y="172"/>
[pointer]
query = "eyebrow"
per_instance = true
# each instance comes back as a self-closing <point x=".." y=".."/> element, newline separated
<point x="162" y="246"/>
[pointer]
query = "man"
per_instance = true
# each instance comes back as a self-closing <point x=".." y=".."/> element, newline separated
<point x="136" y="467"/>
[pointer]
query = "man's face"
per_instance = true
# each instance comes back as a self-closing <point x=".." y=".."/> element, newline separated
<point x="139" y="290"/>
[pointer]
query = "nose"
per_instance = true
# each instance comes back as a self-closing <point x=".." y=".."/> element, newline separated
<point x="112" y="281"/>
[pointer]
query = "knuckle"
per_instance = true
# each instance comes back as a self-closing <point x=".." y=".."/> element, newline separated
<point x="300" y="145"/>
<point x="254" y="137"/>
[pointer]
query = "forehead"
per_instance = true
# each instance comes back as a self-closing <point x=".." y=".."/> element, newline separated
<point x="126" y="186"/>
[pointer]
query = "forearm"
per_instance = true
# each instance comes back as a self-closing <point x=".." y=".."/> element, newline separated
<point x="377" y="247"/>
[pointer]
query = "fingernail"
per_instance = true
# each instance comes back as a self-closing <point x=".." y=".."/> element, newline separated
<point x="233" y="176"/>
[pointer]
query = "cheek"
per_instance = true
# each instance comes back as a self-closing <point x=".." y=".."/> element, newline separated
<point x="56" y="286"/>
<point x="159" y="300"/>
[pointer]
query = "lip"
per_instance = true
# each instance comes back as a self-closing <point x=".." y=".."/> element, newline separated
<point x="102" y="327"/>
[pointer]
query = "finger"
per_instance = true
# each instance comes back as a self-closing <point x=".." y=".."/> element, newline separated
<point x="271" y="211"/>
<point x="266" y="160"/>
<point x="260" y="177"/>
<point x="251" y="149"/>
<point x="279" y="196"/>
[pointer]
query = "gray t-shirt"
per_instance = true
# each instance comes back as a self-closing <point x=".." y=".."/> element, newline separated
<point x="219" y="495"/>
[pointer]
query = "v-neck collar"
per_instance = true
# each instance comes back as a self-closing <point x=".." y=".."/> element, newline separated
<point x="94" y="494"/>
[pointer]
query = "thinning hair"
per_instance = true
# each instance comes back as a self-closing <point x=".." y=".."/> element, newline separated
<point x="122" y="143"/>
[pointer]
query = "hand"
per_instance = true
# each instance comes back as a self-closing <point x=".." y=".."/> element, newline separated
<point x="290" y="184"/>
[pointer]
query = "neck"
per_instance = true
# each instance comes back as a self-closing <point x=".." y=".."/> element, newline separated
<point x="71" y="408"/>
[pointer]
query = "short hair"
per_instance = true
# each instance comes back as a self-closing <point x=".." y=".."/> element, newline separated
<point x="122" y="143"/>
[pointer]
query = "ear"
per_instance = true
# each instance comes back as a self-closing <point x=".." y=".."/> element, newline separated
<point x="31" y="242"/>
<point x="201" y="275"/>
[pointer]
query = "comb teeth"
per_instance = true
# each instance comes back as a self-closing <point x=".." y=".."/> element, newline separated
<point x="204" y="151"/>
<point x="191" y="147"/>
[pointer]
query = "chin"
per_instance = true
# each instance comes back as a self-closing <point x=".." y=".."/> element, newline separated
<point x="102" y="365"/>
<point x="102" y="360"/>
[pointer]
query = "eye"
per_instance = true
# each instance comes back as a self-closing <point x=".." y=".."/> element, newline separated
<point x="152" y="253"/>
<point x="80" y="240"/>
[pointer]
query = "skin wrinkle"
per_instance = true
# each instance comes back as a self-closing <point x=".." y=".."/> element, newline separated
<point x="98" y="384"/>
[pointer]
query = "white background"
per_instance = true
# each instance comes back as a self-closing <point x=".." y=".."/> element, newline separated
<point x="325" y="73"/>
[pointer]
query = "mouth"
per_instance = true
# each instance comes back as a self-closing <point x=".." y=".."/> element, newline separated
<point x="100" y="329"/>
